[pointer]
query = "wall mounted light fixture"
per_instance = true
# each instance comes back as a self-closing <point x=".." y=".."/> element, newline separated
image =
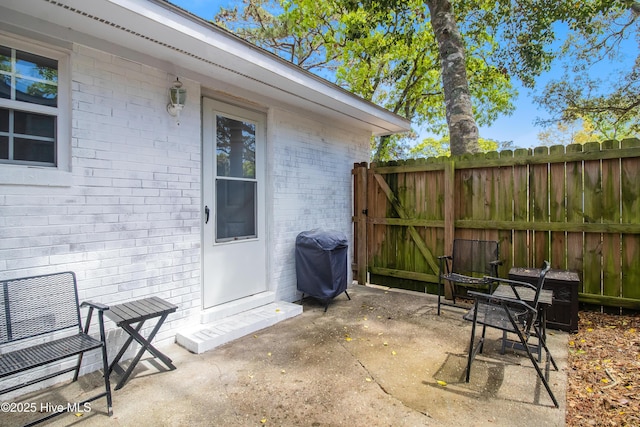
<point x="177" y="99"/>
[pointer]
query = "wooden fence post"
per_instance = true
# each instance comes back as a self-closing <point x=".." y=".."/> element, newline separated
<point x="360" y="219"/>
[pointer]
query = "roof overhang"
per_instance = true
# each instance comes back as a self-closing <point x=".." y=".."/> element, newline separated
<point x="159" y="32"/>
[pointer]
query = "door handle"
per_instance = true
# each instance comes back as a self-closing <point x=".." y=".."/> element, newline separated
<point x="206" y="214"/>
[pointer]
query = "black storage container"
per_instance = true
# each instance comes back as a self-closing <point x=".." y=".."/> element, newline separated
<point x="563" y="313"/>
<point x="321" y="263"/>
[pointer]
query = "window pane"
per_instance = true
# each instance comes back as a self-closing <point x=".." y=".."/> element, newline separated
<point x="33" y="150"/>
<point x="36" y="79"/>
<point x="34" y="124"/>
<point x="5" y="72"/>
<point x="36" y="92"/>
<point x="235" y="209"/>
<point x="5" y="59"/>
<point x="4" y="147"/>
<point x="37" y="67"/>
<point x="4" y="120"/>
<point x="235" y="148"/>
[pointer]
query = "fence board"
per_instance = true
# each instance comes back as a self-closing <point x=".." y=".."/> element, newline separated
<point x="630" y="192"/>
<point x="539" y="200"/>
<point x="611" y="242"/>
<point x="574" y="190"/>
<point x="503" y="190"/>
<point x="521" y="208"/>
<point x="591" y="272"/>
<point x="557" y="209"/>
<point x="577" y="206"/>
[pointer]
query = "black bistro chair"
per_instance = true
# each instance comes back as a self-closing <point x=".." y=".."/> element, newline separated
<point x="516" y="314"/>
<point x="469" y="265"/>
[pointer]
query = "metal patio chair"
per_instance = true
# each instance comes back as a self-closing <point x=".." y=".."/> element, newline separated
<point x="515" y="314"/>
<point x="469" y="265"/>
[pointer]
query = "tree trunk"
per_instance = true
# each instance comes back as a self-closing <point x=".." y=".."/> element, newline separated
<point x="463" y="131"/>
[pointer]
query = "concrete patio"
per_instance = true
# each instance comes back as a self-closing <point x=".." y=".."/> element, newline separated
<point x="382" y="359"/>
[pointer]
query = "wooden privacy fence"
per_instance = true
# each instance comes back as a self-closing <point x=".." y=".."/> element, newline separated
<point x="576" y="206"/>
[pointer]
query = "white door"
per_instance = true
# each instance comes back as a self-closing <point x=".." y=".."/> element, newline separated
<point x="234" y="238"/>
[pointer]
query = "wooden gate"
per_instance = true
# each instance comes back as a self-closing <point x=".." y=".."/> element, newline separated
<point x="576" y="206"/>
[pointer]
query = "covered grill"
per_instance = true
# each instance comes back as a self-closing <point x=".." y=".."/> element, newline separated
<point x="321" y="264"/>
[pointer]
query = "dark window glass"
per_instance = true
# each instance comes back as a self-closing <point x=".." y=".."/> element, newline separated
<point x="32" y="150"/>
<point x="4" y="120"/>
<point x="34" y="124"/>
<point x="5" y="59"/>
<point x="4" y="147"/>
<point x="236" y="209"/>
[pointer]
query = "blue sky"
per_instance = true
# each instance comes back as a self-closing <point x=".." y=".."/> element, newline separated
<point x="518" y="127"/>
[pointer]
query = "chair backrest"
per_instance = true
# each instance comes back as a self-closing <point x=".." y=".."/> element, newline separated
<point x="33" y="306"/>
<point x="531" y="317"/>
<point x="474" y="257"/>
<point x="540" y="283"/>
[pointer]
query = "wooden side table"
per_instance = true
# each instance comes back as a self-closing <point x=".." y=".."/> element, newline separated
<point x="125" y="316"/>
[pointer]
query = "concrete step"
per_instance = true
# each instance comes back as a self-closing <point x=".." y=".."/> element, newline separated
<point x="210" y="335"/>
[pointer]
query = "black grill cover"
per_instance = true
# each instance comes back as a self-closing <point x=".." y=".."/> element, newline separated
<point x="321" y="263"/>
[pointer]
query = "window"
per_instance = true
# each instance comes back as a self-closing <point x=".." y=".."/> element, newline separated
<point x="27" y="134"/>
<point x="236" y="183"/>
<point x="34" y="108"/>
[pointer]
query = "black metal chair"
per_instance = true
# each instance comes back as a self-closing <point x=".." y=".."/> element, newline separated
<point x="516" y="314"/>
<point x="469" y="265"/>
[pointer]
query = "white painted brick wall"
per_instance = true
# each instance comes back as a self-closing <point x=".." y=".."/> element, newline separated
<point x="129" y="224"/>
<point x="311" y="187"/>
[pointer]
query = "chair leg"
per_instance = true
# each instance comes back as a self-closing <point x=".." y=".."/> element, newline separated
<point x="541" y="375"/>
<point x="107" y="383"/>
<point x="439" y="292"/>
<point x="471" y="351"/>
<point x="472" y="348"/>
<point x="87" y="324"/>
<point x="543" y="344"/>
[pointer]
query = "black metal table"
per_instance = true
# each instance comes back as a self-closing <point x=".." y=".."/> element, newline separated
<point x="527" y="294"/>
<point x="125" y="316"/>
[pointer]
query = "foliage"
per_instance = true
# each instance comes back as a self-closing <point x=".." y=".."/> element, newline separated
<point x="577" y="132"/>
<point x="386" y="52"/>
<point x="432" y="147"/>
<point x="264" y="23"/>
<point x="610" y="106"/>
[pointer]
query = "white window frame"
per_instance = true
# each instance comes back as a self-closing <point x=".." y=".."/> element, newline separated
<point x="45" y="175"/>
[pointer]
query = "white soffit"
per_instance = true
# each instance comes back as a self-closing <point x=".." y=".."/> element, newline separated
<point x="158" y="29"/>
